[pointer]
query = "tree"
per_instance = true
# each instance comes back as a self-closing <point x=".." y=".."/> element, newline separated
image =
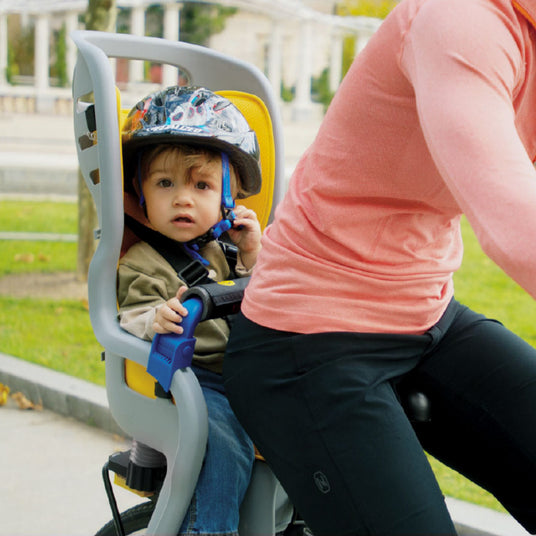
<point x="367" y="8"/>
<point x="59" y="68"/>
<point x="20" y="49"/>
<point x="100" y="15"/>
<point x="200" y="21"/>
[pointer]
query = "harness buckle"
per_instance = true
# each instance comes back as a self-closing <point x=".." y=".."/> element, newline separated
<point x="193" y="273"/>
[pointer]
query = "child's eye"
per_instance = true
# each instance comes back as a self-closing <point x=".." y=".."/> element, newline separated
<point x="165" y="183"/>
<point x="201" y="185"/>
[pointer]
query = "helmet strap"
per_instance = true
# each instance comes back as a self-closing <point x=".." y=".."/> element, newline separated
<point x="227" y="201"/>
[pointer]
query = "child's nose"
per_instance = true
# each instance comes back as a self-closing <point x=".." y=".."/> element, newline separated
<point x="182" y="197"/>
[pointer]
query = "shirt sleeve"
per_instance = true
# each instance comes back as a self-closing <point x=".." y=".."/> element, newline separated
<point x="466" y="63"/>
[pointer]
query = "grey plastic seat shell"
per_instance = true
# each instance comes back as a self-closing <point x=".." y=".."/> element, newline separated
<point x="179" y="429"/>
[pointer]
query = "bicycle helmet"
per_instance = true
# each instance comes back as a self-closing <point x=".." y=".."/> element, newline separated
<point x="193" y="116"/>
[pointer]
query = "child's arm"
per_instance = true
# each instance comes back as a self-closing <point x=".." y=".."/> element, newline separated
<point x="145" y="283"/>
<point x="170" y="315"/>
<point x="246" y="235"/>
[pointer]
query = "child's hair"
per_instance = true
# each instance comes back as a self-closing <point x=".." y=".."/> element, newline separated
<point x="193" y="157"/>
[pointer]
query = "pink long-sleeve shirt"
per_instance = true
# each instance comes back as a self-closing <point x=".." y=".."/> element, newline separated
<point x="436" y="117"/>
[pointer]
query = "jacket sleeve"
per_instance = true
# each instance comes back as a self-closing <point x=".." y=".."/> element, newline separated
<point x="139" y="297"/>
<point x="241" y="270"/>
<point x="466" y="75"/>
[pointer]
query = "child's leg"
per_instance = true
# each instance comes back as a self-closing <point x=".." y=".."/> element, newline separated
<point x="226" y="470"/>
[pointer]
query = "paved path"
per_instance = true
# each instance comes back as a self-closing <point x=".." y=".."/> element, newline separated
<point x="50" y="482"/>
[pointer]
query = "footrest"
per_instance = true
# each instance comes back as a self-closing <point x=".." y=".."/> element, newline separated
<point x="139" y="479"/>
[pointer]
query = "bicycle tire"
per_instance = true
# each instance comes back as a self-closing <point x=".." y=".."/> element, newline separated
<point x="137" y="518"/>
<point x="134" y="519"/>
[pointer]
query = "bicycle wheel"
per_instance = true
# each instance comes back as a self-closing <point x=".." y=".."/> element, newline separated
<point x="135" y="520"/>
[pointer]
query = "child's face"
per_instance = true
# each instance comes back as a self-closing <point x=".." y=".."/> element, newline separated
<point x="182" y="202"/>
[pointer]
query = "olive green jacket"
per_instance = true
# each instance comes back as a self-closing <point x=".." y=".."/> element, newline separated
<point x="146" y="281"/>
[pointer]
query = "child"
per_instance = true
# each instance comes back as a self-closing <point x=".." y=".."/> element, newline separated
<point x="188" y="154"/>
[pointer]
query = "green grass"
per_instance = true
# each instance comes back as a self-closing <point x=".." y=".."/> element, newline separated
<point x="17" y="257"/>
<point x="484" y="287"/>
<point x="30" y="256"/>
<point x="453" y="484"/>
<point x="53" y="333"/>
<point x="44" y="217"/>
<point x="57" y="334"/>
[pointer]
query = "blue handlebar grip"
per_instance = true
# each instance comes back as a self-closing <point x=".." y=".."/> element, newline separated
<point x="171" y="352"/>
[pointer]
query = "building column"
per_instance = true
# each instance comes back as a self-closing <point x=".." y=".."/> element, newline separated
<point x="3" y="49"/>
<point x="302" y="106"/>
<point x="274" y="55"/>
<point x="170" y="73"/>
<point x="41" y="53"/>
<point x="137" y="27"/>
<point x="335" y="60"/>
<point x="44" y="101"/>
<point x="71" y="24"/>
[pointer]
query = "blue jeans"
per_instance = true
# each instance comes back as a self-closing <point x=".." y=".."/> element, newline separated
<point x="226" y="469"/>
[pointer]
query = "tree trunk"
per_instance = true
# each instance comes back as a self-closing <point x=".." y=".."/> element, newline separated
<point x="100" y="15"/>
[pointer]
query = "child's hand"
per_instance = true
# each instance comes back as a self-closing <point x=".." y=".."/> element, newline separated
<point x="246" y="235"/>
<point x="170" y="315"/>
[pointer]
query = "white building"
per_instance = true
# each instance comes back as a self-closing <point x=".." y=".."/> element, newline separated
<point x="290" y="40"/>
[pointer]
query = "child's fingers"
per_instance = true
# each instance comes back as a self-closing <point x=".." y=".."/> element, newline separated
<point x="246" y="224"/>
<point x="169" y="314"/>
<point x="175" y="305"/>
<point x="180" y="292"/>
<point x="245" y="213"/>
<point x="167" y="321"/>
<point x="241" y="224"/>
<point x="167" y="327"/>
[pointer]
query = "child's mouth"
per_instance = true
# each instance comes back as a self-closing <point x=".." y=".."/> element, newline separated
<point x="183" y="221"/>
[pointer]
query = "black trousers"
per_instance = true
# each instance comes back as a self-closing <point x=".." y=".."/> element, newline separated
<point x="324" y="411"/>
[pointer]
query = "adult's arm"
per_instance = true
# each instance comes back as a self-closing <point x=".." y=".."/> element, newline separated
<point x="466" y="62"/>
